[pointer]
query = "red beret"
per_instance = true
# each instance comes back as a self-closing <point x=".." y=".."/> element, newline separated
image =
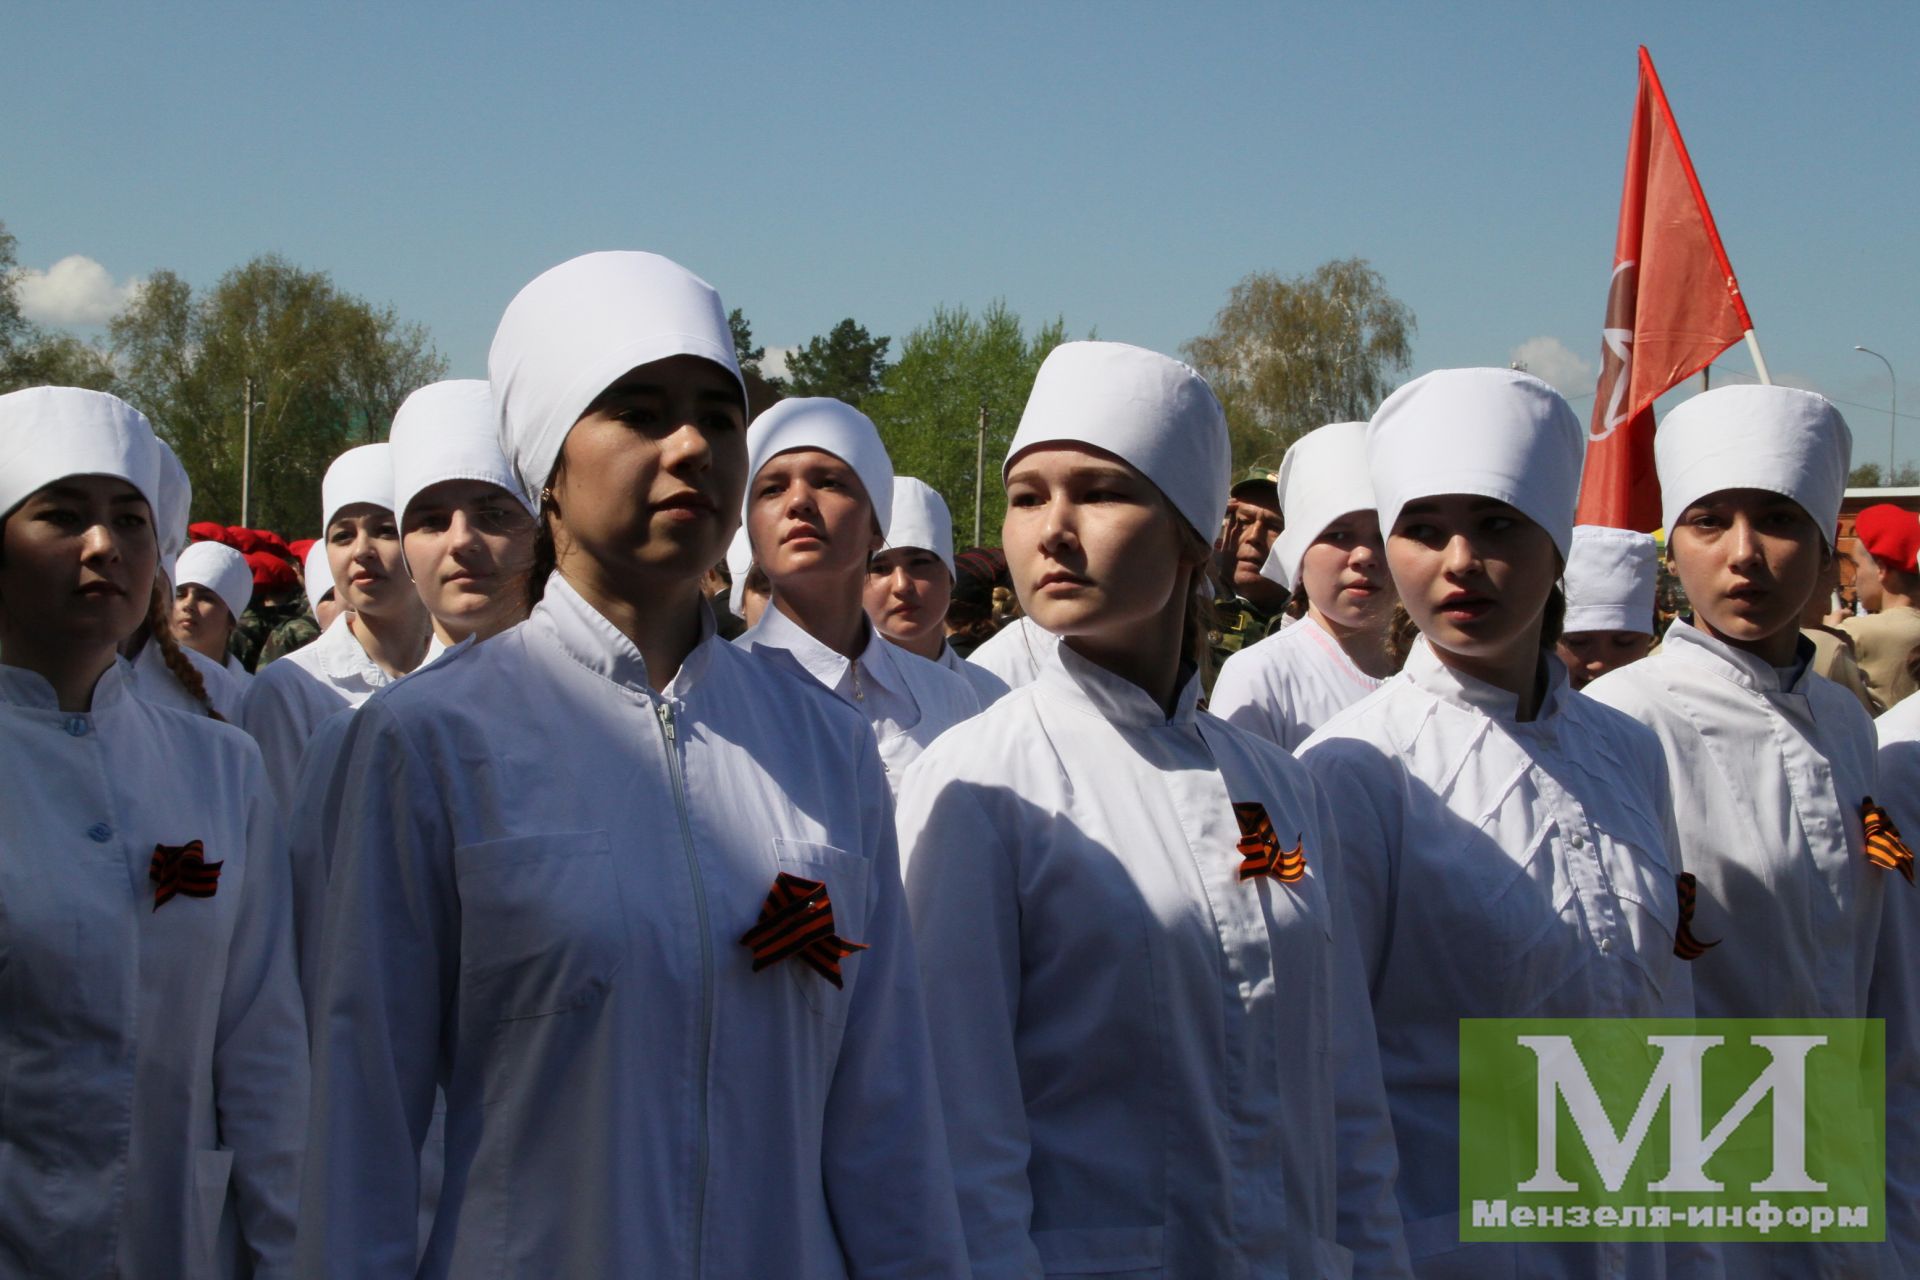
<point x="270" y="572"/>
<point x="245" y="541"/>
<point x="207" y="531"/>
<point x="1889" y="533"/>
<point x="300" y="547"/>
<point x="271" y="541"/>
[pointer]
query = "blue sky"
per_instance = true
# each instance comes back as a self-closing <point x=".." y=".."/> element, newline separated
<point x="1120" y="165"/>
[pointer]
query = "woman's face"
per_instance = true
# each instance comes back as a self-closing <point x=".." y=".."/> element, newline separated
<point x="1748" y="560"/>
<point x="469" y="545"/>
<point x="1344" y="572"/>
<point x="201" y="620"/>
<point x="908" y="590"/>
<point x="810" y="519"/>
<point x="1095" y="550"/>
<point x="77" y="561"/>
<point x="363" y="550"/>
<point x="1474" y="575"/>
<point x="650" y="477"/>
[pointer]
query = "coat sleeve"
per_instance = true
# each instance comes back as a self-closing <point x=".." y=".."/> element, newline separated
<point x="884" y="1146"/>
<point x="1368" y="1159"/>
<point x="310" y="834"/>
<point x="260" y="1054"/>
<point x="962" y="890"/>
<point x="390" y="956"/>
<point x="1366" y="841"/>
<point x="1240" y="698"/>
<point x="1894" y="994"/>
<point x="272" y="711"/>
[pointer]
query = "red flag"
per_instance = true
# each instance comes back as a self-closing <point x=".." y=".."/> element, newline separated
<point x="1673" y="306"/>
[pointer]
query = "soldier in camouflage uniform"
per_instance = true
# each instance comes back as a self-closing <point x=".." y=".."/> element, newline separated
<point x="278" y="598"/>
<point x="1246" y="606"/>
<point x="295" y="633"/>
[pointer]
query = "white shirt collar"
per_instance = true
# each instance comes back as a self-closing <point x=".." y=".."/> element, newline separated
<point x="1693" y="645"/>
<point x="341" y="658"/>
<point x="777" y="631"/>
<point x="585" y="635"/>
<point x="31" y="691"/>
<point x="1113" y="698"/>
<point x="1425" y="671"/>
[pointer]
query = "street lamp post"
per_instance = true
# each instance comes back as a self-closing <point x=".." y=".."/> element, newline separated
<point x="1893" y="405"/>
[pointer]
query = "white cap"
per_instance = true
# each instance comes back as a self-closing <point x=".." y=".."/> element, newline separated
<point x="1780" y="439"/>
<point x="831" y="426"/>
<point x="448" y="431"/>
<point x="921" y="519"/>
<point x="739" y="565"/>
<point x="318" y="573"/>
<point x="1609" y="580"/>
<point x="176" y="500"/>
<point x="361" y="474"/>
<point x="1322" y="477"/>
<point x="571" y="334"/>
<point x="220" y="569"/>
<point x="1150" y="411"/>
<point x="50" y="433"/>
<point x="1493" y="433"/>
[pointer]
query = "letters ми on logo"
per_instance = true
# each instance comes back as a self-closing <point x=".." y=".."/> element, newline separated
<point x="1651" y="1129"/>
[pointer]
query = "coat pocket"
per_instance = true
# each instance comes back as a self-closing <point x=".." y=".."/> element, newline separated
<point x="845" y="875"/>
<point x="541" y="925"/>
<point x="206" y="1203"/>
<point x="1102" y="1251"/>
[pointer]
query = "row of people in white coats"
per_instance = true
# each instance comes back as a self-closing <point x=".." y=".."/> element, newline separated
<point x="611" y="953"/>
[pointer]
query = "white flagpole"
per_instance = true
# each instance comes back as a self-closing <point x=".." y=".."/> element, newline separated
<point x="1759" y="361"/>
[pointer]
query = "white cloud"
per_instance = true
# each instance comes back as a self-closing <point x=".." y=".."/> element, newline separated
<point x="75" y="291"/>
<point x="774" y="363"/>
<point x="1550" y="360"/>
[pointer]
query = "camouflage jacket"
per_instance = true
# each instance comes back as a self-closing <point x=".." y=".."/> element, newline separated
<point x="295" y="633"/>
<point x="1237" y="624"/>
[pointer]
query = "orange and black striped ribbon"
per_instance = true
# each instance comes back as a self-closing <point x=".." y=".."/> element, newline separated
<point x="1260" y="848"/>
<point x="1885" y="848"/>
<point x="1685" y="945"/>
<point x="182" y="868"/>
<point x="797" y="920"/>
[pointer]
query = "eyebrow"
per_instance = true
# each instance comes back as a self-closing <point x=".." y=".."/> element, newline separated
<point x="1076" y="473"/>
<point x="718" y="395"/>
<point x="1429" y="506"/>
<point x="72" y="493"/>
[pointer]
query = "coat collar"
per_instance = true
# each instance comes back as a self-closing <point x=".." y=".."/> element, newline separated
<point x="1695" y="647"/>
<point x="585" y="635"/>
<point x="31" y="691"/>
<point x="1092" y="688"/>
<point x="776" y="630"/>
<point x="341" y="659"/>
<point x="1424" y="670"/>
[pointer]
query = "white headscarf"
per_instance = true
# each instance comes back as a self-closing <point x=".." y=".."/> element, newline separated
<point x="221" y="570"/>
<point x="571" y="334"/>
<point x="1150" y="411"/>
<point x="361" y="474"/>
<point x="1493" y="433"/>
<point x="1322" y="477"/>
<point x="831" y="426"/>
<point x="319" y="575"/>
<point x="448" y="431"/>
<point x="1609" y="580"/>
<point x="921" y="519"/>
<point x="1779" y="439"/>
<point x="739" y="565"/>
<point x="50" y="433"/>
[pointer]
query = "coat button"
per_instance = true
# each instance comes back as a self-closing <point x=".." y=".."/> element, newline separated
<point x="77" y="727"/>
<point x="99" y="833"/>
<point x="1606" y="946"/>
<point x="1576" y="840"/>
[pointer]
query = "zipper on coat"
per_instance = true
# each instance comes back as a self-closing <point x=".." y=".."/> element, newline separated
<point x="665" y="712"/>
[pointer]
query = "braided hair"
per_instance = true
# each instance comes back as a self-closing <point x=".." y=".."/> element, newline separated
<point x="160" y="625"/>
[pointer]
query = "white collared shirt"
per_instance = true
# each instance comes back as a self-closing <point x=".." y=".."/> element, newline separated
<point x="1142" y="1057"/>
<point x="541" y="877"/>
<point x="987" y="687"/>
<point x="293" y="694"/>
<point x="154" y="681"/>
<point x="907" y="700"/>
<point x="155" y="1053"/>
<point x="1496" y="868"/>
<point x="1289" y="684"/>
<point x="1014" y="652"/>
<point x="1768" y="784"/>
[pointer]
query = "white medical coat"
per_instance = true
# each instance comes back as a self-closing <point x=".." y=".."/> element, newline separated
<point x="1013" y="653"/>
<point x="906" y="700"/>
<point x="1138" y="1051"/>
<point x="154" y="681"/>
<point x="1289" y="684"/>
<point x="1497" y="869"/>
<point x="154" y="1060"/>
<point x="1767" y="788"/>
<point x="542" y="876"/>
<point x="987" y="687"/>
<point x="293" y="694"/>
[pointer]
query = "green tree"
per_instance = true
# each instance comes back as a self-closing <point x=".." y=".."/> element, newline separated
<point x="328" y="371"/>
<point x="929" y="403"/>
<point x="745" y="353"/>
<point x="1289" y="354"/>
<point x="847" y="364"/>
<point x="31" y="356"/>
<point x="1871" y="475"/>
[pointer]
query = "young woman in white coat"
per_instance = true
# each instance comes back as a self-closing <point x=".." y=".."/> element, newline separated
<point x="631" y="893"/>
<point x="1504" y="842"/>
<point x="212" y="585"/>
<point x="1154" y="1048"/>
<point x="1774" y="777"/>
<point x="1611" y="582"/>
<point x="818" y="509"/>
<point x="156" y="1075"/>
<point x="910" y="584"/>
<point x="1289" y="684"/>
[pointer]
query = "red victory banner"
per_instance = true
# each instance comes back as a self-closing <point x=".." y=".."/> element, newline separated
<point x="1673" y="306"/>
